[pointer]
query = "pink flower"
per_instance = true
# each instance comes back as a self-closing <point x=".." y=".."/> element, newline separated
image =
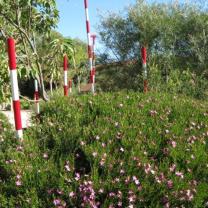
<point x="103" y="145"/>
<point x="189" y="195"/>
<point x="18" y="183"/>
<point x="59" y="192"/>
<point x="101" y="191"/>
<point x="71" y="194"/>
<point x="172" y="168"/>
<point x="179" y="174"/>
<point x="112" y="194"/>
<point x="94" y="154"/>
<point x="67" y="168"/>
<point x="136" y="181"/>
<point x="170" y="184"/>
<point x="77" y="176"/>
<point x="102" y="162"/>
<point x="97" y="137"/>
<point x="153" y="113"/>
<point x="45" y="156"/>
<point x="57" y="202"/>
<point x="122" y="149"/>
<point x="18" y="177"/>
<point x="147" y="168"/>
<point x="122" y="171"/>
<point x="19" y="148"/>
<point x="167" y="131"/>
<point x="173" y="143"/>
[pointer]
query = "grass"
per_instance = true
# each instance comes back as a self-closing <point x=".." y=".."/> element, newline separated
<point x="110" y="150"/>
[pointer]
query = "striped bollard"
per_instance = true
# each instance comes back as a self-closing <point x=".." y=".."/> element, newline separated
<point x="65" y="76"/>
<point x="144" y="65"/>
<point x="93" y="58"/>
<point x="70" y="86"/>
<point x="15" y="88"/>
<point x="36" y="98"/>
<point x="89" y="41"/>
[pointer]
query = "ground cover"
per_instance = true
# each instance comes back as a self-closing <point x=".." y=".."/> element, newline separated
<point x="110" y="150"/>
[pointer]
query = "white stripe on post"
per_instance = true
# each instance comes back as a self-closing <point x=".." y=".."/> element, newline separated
<point x="15" y="88"/>
<point x="65" y="76"/>
<point x="36" y="97"/>
<point x="70" y="86"/>
<point x="89" y="41"/>
<point x="14" y="84"/>
<point x="93" y="57"/>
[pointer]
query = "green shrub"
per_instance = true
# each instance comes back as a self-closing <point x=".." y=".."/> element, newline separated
<point x="112" y="150"/>
<point x="178" y="82"/>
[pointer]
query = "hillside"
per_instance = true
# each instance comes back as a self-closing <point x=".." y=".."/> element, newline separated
<point x="110" y="150"/>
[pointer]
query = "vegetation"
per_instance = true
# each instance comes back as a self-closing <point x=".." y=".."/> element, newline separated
<point x="120" y="150"/>
<point x="40" y="49"/>
<point x="176" y="36"/>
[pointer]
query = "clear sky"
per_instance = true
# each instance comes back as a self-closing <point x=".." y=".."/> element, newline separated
<point x="72" y="15"/>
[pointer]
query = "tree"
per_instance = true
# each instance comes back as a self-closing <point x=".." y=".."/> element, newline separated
<point x="27" y="21"/>
<point x="174" y="33"/>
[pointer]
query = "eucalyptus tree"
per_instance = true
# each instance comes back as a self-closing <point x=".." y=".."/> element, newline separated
<point x="28" y="20"/>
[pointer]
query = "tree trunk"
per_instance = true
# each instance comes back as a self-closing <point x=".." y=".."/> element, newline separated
<point x="51" y="84"/>
<point x="41" y="82"/>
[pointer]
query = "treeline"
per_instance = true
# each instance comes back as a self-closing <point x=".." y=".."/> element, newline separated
<point x="175" y="34"/>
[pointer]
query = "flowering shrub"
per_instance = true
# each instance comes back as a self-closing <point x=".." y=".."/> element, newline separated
<point x="111" y="150"/>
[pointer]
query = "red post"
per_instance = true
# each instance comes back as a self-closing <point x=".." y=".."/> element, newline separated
<point x="15" y="87"/>
<point x="65" y="76"/>
<point x="144" y="65"/>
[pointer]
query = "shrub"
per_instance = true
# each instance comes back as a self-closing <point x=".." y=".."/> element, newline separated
<point x="178" y="82"/>
<point x="112" y="150"/>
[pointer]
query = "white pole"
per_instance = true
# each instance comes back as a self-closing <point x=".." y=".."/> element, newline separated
<point x="36" y="98"/>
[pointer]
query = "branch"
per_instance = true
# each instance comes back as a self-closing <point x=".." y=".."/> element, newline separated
<point x="3" y="34"/>
<point x="21" y="30"/>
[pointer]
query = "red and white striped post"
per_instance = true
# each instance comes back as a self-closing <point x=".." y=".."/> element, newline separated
<point x="65" y="76"/>
<point x="70" y="86"/>
<point x="36" y="98"/>
<point x="89" y="43"/>
<point x="93" y="59"/>
<point x="144" y="65"/>
<point x="15" y="87"/>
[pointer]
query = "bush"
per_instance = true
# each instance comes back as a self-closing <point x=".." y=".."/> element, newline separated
<point x="120" y="150"/>
<point x="178" y="82"/>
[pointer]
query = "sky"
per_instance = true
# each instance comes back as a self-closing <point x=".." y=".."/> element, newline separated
<point x="72" y="15"/>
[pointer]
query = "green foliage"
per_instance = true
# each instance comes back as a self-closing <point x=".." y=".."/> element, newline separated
<point x="130" y="149"/>
<point x="39" y="48"/>
<point x="178" y="82"/>
<point x="175" y="36"/>
<point x="4" y="76"/>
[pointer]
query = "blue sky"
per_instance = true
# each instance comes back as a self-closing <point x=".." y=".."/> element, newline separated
<point x="72" y="15"/>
